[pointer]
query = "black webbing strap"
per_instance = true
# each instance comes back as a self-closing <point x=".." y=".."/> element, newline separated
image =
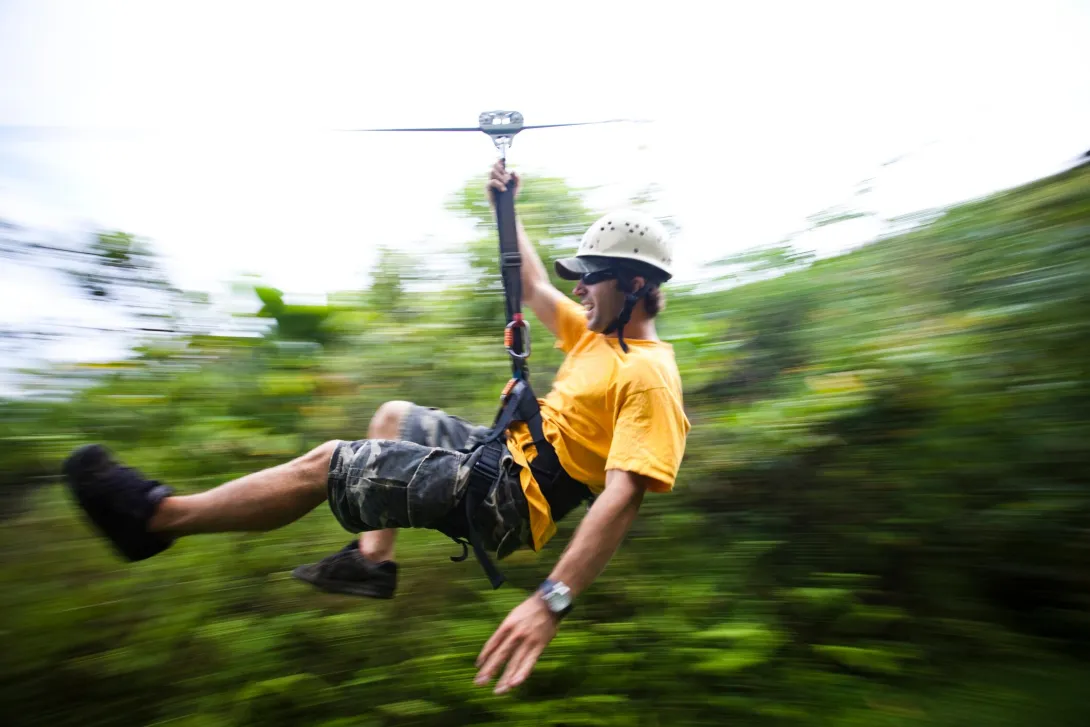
<point x="511" y="273"/>
<point x="561" y="490"/>
<point x="483" y="479"/>
<point x="486" y="469"/>
<point x="519" y="404"/>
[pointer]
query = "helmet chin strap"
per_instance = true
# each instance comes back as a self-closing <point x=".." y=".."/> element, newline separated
<point x="630" y="301"/>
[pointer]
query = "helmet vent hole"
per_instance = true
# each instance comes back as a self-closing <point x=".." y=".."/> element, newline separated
<point x="641" y="234"/>
<point x="636" y="250"/>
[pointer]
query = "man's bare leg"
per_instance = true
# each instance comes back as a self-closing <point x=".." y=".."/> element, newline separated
<point x="261" y="501"/>
<point x="378" y="545"/>
<point x="366" y="567"/>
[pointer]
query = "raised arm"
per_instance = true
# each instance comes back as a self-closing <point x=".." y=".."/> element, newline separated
<point x="537" y="292"/>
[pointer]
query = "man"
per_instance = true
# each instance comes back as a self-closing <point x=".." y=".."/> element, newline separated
<point x="614" y="421"/>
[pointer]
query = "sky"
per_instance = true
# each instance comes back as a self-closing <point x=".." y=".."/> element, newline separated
<point x="215" y="129"/>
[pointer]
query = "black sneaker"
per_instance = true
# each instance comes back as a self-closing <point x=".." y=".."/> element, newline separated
<point x="347" y="571"/>
<point x="118" y="500"/>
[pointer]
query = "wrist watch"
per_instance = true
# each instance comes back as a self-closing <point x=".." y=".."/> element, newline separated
<point x="557" y="597"/>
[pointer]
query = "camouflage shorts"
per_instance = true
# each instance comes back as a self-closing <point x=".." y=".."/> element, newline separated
<point x="419" y="480"/>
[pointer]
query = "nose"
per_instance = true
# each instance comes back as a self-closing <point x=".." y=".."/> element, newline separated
<point x="579" y="289"/>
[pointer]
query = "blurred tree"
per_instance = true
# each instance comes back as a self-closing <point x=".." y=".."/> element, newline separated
<point x="882" y="518"/>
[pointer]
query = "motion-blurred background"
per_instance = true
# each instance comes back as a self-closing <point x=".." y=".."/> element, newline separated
<point x="882" y="319"/>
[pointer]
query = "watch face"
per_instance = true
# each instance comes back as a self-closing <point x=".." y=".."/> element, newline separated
<point x="558" y="598"/>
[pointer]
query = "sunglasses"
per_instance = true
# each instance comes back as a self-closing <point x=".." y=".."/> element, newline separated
<point x="597" y="276"/>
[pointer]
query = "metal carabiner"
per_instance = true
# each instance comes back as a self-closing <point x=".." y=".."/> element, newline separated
<point x="517" y="322"/>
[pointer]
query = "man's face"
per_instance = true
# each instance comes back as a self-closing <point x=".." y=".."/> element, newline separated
<point x="602" y="301"/>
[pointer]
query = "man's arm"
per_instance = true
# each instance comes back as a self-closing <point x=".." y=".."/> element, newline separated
<point x="601" y="531"/>
<point x="538" y="292"/>
<point x="530" y="627"/>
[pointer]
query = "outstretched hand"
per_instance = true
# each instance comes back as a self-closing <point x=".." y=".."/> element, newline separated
<point x="518" y="641"/>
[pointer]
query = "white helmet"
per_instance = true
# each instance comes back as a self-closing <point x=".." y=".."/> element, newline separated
<point x="622" y="235"/>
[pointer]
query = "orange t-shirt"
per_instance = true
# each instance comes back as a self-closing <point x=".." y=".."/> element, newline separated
<point x="606" y="410"/>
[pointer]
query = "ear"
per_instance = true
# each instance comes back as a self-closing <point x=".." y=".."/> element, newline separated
<point x="638" y="283"/>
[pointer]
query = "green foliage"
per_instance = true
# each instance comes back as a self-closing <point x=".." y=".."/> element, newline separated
<point x="883" y="515"/>
<point x="293" y="322"/>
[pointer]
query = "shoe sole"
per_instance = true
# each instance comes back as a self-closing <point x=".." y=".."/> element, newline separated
<point x="344" y="587"/>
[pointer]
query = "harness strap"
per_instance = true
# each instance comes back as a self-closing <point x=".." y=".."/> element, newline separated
<point x="483" y="480"/>
<point x="519" y="403"/>
<point x="511" y="274"/>
<point x="630" y="301"/>
<point x="561" y="490"/>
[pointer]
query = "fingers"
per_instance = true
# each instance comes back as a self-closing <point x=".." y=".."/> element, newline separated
<point x="520" y="654"/>
<point x="492" y="643"/>
<point x="498" y="656"/>
<point x="520" y="666"/>
<point x="500" y="177"/>
<point x="517" y="658"/>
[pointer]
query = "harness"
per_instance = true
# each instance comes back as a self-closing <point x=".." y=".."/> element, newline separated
<point x="517" y="404"/>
